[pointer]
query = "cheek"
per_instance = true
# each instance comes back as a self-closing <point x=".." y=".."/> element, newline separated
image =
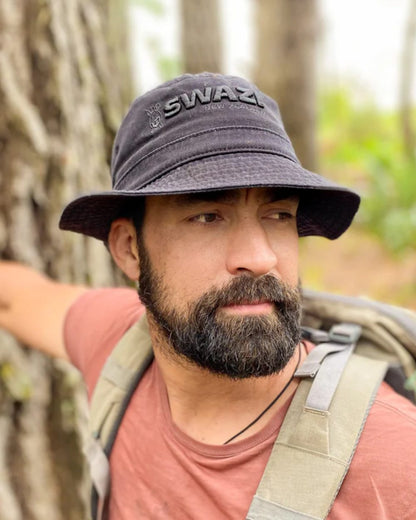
<point x="188" y="268"/>
<point x="287" y="253"/>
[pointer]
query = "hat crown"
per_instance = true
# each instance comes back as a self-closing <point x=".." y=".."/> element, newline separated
<point x="199" y="108"/>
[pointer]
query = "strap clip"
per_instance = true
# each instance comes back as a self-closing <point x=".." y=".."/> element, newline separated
<point x="345" y="333"/>
<point x="315" y="335"/>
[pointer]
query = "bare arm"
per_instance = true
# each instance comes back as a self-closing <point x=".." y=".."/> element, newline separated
<point x="33" y="307"/>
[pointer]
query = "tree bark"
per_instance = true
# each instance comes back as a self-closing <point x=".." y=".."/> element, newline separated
<point x="406" y="83"/>
<point x="202" y="45"/>
<point x="287" y="35"/>
<point x="64" y="83"/>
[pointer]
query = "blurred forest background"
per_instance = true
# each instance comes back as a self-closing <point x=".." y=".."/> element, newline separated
<point x="343" y="73"/>
<point x="68" y="71"/>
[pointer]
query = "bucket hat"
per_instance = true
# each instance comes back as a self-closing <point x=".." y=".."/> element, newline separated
<point x="208" y="132"/>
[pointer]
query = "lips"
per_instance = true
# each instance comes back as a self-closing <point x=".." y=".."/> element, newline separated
<point x="248" y="295"/>
<point x="251" y="302"/>
<point x="249" y="307"/>
<point x="258" y="301"/>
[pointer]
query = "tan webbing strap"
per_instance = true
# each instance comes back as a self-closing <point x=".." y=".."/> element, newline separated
<point x="120" y="374"/>
<point x="314" y="448"/>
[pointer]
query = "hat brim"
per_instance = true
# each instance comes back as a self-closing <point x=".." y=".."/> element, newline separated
<point x="326" y="209"/>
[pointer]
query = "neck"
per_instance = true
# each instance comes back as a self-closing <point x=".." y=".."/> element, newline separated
<point x="213" y="408"/>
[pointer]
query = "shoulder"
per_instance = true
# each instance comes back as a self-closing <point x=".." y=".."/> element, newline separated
<point x="391" y="423"/>
<point x="94" y="324"/>
<point x="390" y="432"/>
<point x="390" y="428"/>
<point x="389" y="404"/>
<point x="382" y="477"/>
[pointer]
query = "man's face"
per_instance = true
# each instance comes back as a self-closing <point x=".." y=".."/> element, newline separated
<point x="218" y="273"/>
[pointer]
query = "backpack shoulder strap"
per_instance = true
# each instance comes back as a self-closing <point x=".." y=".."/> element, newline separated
<point x="318" y="438"/>
<point x="118" y="379"/>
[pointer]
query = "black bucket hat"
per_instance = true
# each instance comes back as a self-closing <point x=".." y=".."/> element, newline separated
<point x="208" y="132"/>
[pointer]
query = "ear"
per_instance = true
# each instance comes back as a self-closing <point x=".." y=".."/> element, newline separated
<point x="122" y="242"/>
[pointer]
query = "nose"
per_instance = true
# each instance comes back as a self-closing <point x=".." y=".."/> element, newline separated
<point x="249" y="250"/>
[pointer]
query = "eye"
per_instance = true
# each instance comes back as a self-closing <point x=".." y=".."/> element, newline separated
<point x="205" y="218"/>
<point x="280" y="215"/>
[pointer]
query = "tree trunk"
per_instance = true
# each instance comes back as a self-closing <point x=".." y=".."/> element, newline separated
<point x="202" y="47"/>
<point x="63" y="90"/>
<point x="406" y="83"/>
<point x="287" y="32"/>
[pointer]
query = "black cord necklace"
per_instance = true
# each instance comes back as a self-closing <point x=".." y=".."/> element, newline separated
<point x="269" y="405"/>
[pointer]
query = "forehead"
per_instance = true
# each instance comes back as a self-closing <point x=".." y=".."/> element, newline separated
<point x="261" y="195"/>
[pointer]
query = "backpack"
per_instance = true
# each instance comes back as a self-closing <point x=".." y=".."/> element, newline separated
<point x="356" y="340"/>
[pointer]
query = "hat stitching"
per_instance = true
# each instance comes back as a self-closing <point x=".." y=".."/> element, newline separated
<point x="169" y="171"/>
<point x="219" y="151"/>
<point x="195" y="134"/>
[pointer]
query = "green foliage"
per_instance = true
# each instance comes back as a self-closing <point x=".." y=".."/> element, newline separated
<point x="168" y="66"/>
<point x="154" y="6"/>
<point x="411" y="383"/>
<point x="362" y="146"/>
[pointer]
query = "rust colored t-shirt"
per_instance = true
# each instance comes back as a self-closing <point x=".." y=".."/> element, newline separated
<point x="158" y="472"/>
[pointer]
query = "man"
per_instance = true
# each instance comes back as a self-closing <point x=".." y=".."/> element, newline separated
<point x="207" y="206"/>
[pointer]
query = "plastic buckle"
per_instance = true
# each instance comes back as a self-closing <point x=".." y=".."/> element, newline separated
<point x="345" y="333"/>
<point x="314" y="335"/>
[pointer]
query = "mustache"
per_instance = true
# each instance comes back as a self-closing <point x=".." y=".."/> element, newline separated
<point x="246" y="289"/>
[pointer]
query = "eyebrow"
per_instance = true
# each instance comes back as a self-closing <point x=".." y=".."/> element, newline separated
<point x="208" y="196"/>
<point x="229" y="196"/>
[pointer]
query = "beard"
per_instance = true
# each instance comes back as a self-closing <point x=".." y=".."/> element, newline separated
<point x="234" y="346"/>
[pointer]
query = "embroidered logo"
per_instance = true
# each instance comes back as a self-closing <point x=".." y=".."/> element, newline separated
<point x="155" y="117"/>
<point x="211" y="96"/>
